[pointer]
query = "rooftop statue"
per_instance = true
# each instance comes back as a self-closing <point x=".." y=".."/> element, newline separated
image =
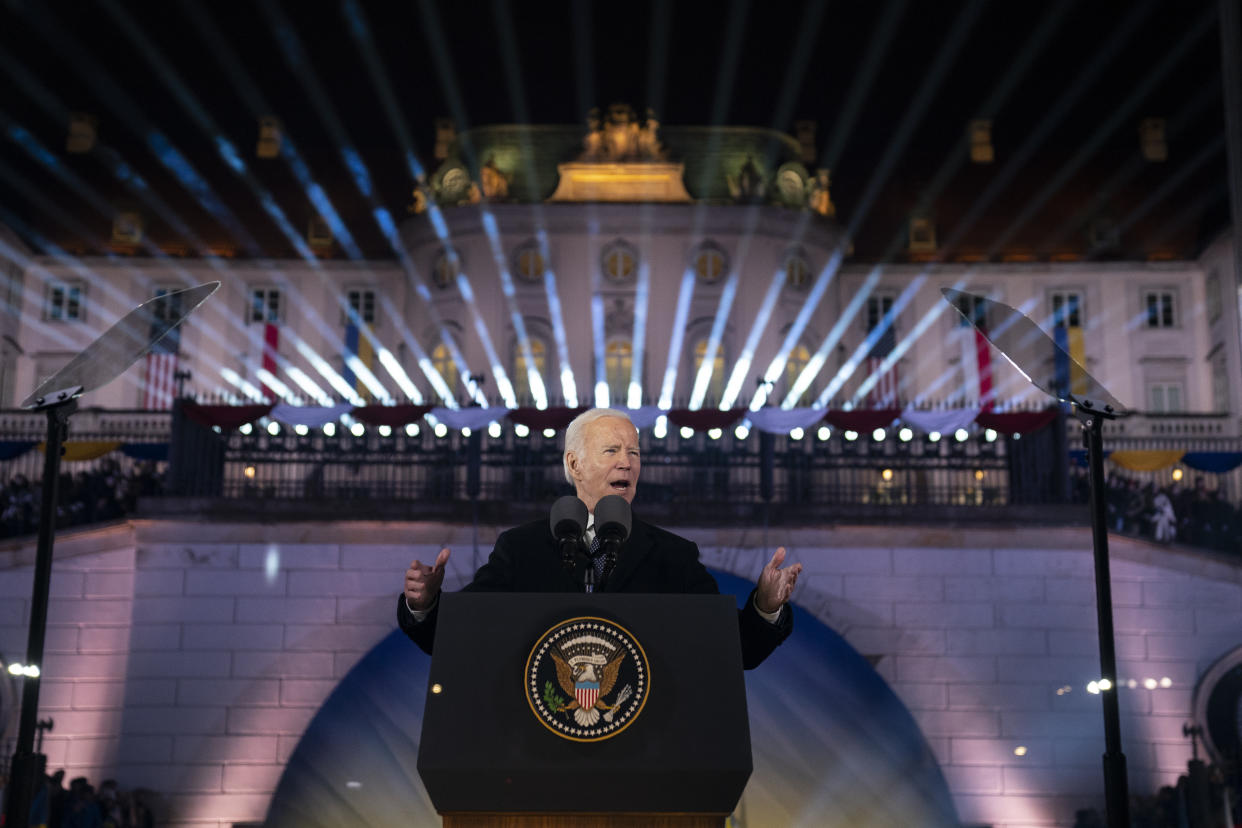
<point x="619" y="138"/>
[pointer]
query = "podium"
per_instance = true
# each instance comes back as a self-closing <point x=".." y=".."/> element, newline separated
<point x="585" y="710"/>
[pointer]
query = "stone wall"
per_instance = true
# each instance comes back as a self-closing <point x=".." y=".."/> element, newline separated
<point x="189" y="657"/>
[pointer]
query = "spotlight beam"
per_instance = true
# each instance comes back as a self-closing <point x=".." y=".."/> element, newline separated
<point x="517" y="94"/>
<point x="945" y="57"/>
<point x="314" y="192"/>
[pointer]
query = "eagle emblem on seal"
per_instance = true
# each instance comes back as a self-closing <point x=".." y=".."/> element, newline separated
<point x="587" y="678"/>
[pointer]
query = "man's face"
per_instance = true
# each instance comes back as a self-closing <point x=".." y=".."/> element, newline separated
<point x="609" y="463"/>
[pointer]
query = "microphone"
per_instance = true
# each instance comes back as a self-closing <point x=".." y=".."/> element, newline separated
<point x="612" y="526"/>
<point x="568" y="522"/>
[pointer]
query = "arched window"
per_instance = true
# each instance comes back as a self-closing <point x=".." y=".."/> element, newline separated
<point x="618" y="367"/>
<point x="710" y="263"/>
<point x="619" y="262"/>
<point x="445" y="269"/>
<point x="529" y="264"/>
<point x="798" y="359"/>
<point x="521" y="376"/>
<point x="442" y="361"/>
<point x="715" y="388"/>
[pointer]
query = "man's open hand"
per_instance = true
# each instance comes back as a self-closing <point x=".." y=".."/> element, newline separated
<point x="422" y="582"/>
<point x="776" y="584"/>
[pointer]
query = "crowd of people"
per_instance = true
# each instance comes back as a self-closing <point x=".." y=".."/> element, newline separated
<point x="1194" y="515"/>
<point x="102" y="493"/>
<point x="81" y="805"/>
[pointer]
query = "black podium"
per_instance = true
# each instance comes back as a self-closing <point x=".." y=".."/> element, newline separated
<point x="658" y="677"/>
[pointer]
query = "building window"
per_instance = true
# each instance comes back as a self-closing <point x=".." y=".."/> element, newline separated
<point x="922" y="235"/>
<point x="528" y="263"/>
<point x="715" y="388"/>
<point x="362" y="303"/>
<point x="1212" y="297"/>
<point x="65" y="302"/>
<point x="1066" y="308"/>
<point x="1160" y="309"/>
<point x="264" y="305"/>
<point x="618" y="367"/>
<point x="444" y="271"/>
<point x="619" y="262"/>
<point x="877" y="308"/>
<point x="1164" y="397"/>
<point x="446" y="367"/>
<point x="1220" y="385"/>
<point x="710" y="263"/>
<point x="798" y="359"/>
<point x="973" y="311"/>
<point x="797" y="271"/>
<point x="521" y="374"/>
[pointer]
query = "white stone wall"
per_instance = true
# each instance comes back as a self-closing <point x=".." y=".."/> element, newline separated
<point x="189" y="657"/>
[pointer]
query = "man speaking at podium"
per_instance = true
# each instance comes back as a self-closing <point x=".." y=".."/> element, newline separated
<point x="602" y="458"/>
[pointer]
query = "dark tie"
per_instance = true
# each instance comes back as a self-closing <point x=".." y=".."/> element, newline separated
<point x="597" y="558"/>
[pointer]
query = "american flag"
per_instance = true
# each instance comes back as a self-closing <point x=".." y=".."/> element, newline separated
<point x="883" y="393"/>
<point x="159" y="384"/>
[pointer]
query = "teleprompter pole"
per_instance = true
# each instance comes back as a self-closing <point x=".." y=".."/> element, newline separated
<point x="1116" y="788"/>
<point x="25" y="766"/>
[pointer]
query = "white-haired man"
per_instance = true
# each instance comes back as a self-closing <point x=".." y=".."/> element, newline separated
<point x="602" y="458"/>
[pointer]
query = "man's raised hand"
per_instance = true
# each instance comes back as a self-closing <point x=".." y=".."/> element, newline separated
<point x="422" y="582"/>
<point x="776" y="584"/>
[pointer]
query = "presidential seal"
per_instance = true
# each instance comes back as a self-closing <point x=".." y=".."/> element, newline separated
<point x="587" y="679"/>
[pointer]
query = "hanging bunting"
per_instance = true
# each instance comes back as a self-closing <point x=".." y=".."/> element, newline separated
<point x="1144" y="460"/>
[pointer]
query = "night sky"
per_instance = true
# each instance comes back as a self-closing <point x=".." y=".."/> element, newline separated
<point x="1056" y="79"/>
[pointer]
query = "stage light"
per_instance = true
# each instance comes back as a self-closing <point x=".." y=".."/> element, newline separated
<point x="741" y="432"/>
<point x="1064" y="690"/>
<point x="273" y="428"/>
<point x="905" y="435"/>
<point x="1166" y="682"/>
<point x="353" y="783"/>
<point x="357" y="429"/>
<point x="329" y="429"/>
<point x="989" y="435"/>
<point x="796" y="434"/>
<point x="686" y="432"/>
<point x="16" y="669"/>
<point x="1020" y="750"/>
<point x="1150" y="683"/>
<point x="961" y="435"/>
<point x="521" y="430"/>
<point x="385" y="431"/>
<point x="714" y="433"/>
<point x="851" y="435"/>
<point x="465" y="432"/>
<point x="887" y="474"/>
<point x="437" y="688"/>
<point x="245" y="428"/>
<point x="934" y="437"/>
<point x="549" y="433"/>
<point x="411" y="430"/>
<point x="1105" y="684"/>
<point x="249" y="471"/>
<point x="301" y="430"/>
<point x="1017" y="436"/>
<point x="661" y="427"/>
<point x="1093" y="687"/>
<point x="493" y="430"/>
<point x="29" y="671"/>
<point x="441" y="430"/>
<point x="878" y="435"/>
<point x="978" y="474"/>
<point x="823" y="434"/>
<point x="1177" y="475"/>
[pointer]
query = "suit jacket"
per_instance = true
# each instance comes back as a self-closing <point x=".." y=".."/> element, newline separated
<point x="528" y="559"/>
